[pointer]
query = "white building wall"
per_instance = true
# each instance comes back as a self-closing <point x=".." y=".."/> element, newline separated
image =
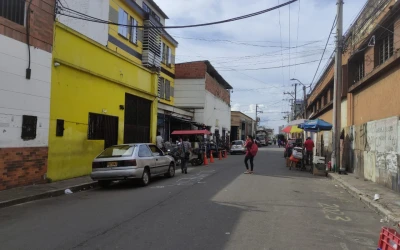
<point x="217" y="113"/>
<point x="190" y="93"/>
<point x="19" y="96"/>
<point x="95" y="8"/>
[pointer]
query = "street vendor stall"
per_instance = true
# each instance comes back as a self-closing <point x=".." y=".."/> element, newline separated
<point x="199" y="138"/>
<point x="317" y="126"/>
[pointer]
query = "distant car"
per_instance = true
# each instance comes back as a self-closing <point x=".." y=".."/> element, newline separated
<point x="131" y="161"/>
<point x="238" y="147"/>
<point x="269" y="142"/>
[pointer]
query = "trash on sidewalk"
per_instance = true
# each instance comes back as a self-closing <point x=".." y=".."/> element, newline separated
<point x="68" y="191"/>
<point x="376" y="197"/>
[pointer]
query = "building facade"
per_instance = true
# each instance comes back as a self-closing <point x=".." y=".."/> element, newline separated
<point x="203" y="91"/>
<point x="26" y="38"/>
<point x="370" y="105"/>
<point x="241" y="126"/>
<point x="105" y="82"/>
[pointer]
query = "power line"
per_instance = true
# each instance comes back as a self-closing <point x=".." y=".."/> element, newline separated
<point x="242" y="42"/>
<point x="85" y="17"/>
<point x="278" y="67"/>
<point x="327" y="41"/>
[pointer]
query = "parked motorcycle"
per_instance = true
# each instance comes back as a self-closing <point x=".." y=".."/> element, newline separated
<point x="174" y="152"/>
<point x="196" y="157"/>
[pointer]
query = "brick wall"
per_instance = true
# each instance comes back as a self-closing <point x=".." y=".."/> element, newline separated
<point x="41" y="25"/>
<point x="216" y="89"/>
<point x="22" y="166"/>
<point x="191" y="70"/>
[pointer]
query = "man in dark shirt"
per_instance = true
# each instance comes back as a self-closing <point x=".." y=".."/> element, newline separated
<point x="309" y="145"/>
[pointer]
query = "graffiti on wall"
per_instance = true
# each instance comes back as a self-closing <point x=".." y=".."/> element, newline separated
<point x="391" y="135"/>
<point x="371" y="136"/>
<point x="375" y="150"/>
<point x="380" y="135"/>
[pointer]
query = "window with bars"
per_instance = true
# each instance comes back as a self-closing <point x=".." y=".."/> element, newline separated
<point x="385" y="48"/>
<point x="29" y="126"/>
<point x="359" y="71"/>
<point x="13" y="10"/>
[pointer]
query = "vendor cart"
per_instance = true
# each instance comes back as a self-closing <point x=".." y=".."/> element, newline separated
<point x="319" y="166"/>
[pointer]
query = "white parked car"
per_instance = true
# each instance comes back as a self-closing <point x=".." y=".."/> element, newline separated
<point x="131" y="161"/>
<point x="238" y="147"/>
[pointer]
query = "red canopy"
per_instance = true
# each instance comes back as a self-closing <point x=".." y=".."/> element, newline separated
<point x="191" y="132"/>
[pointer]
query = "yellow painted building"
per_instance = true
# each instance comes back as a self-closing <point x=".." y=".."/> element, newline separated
<point x="105" y="86"/>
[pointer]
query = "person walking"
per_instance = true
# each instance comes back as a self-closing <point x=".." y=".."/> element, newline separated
<point x="160" y="141"/>
<point x="249" y="156"/>
<point x="309" y="145"/>
<point x="185" y="149"/>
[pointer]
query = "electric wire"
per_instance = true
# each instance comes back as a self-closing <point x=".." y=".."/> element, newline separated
<point x="327" y="41"/>
<point x="93" y="19"/>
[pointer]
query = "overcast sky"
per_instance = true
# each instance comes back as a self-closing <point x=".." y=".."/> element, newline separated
<point x="287" y="36"/>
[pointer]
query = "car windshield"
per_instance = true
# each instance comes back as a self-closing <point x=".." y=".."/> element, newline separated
<point x="238" y="143"/>
<point x="117" y="151"/>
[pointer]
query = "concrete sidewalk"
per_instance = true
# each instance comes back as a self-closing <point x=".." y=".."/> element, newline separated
<point x="20" y="195"/>
<point x="388" y="204"/>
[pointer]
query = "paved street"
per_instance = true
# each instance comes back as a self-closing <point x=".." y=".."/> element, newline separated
<point x="216" y="207"/>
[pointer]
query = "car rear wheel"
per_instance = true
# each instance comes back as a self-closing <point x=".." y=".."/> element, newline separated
<point x="145" y="178"/>
<point x="104" y="183"/>
<point x="171" y="171"/>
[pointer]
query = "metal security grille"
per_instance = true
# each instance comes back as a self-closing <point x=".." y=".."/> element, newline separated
<point x="103" y="127"/>
<point x="29" y="125"/>
<point x="151" y="46"/>
<point x="359" y="71"/>
<point x="386" y="47"/>
<point x="13" y="10"/>
<point x="137" y="119"/>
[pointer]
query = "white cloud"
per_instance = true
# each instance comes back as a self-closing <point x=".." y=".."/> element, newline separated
<point x="264" y="87"/>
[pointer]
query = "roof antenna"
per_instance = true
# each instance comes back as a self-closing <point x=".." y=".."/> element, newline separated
<point x="371" y="42"/>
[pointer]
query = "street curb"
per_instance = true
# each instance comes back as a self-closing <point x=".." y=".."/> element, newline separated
<point x="48" y="194"/>
<point x="365" y="199"/>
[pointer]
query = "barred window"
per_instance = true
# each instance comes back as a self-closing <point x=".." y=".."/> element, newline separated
<point x="385" y="47"/>
<point x="13" y="10"/>
<point x="29" y="125"/>
<point x="359" y="72"/>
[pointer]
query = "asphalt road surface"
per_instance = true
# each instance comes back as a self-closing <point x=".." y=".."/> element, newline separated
<point x="214" y="207"/>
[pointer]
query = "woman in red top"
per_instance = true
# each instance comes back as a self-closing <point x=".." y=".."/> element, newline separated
<point x="249" y="156"/>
